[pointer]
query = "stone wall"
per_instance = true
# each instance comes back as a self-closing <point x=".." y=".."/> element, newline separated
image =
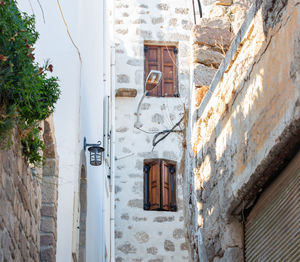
<point x="48" y="234"/>
<point x="245" y="129"/>
<point x="149" y="235"/>
<point x="28" y="198"/>
<point x="20" y="203"/>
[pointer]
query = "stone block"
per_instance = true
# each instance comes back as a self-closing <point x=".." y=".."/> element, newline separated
<point x="152" y="250"/>
<point x="126" y="92"/>
<point x="48" y="225"/>
<point x="157" y="20"/>
<point x="163" y="219"/>
<point x="203" y="75"/>
<point x="207" y="56"/>
<point x="47" y="255"/>
<point x="47" y="240"/>
<point x="178" y="233"/>
<point x="210" y="36"/>
<point x="183" y="11"/>
<point x="48" y="211"/>
<point x="135" y="203"/>
<point x="139" y="21"/>
<point x="127" y="248"/>
<point x="142" y="237"/>
<point x="200" y="92"/>
<point x="224" y="2"/>
<point x="118" y="234"/>
<point x="233" y="254"/>
<point x="122" y="78"/>
<point x="162" y="6"/>
<point x="169" y="245"/>
<point x="144" y="33"/>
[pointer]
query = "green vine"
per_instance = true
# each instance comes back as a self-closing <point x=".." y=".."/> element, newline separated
<point x="27" y="94"/>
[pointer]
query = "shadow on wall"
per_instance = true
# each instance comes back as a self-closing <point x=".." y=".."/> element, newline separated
<point x="232" y="133"/>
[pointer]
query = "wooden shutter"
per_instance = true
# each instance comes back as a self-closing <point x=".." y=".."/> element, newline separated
<point x="166" y="187"/>
<point x="152" y="62"/>
<point x="168" y="68"/>
<point x="162" y="58"/>
<point x="154" y="186"/>
<point x="272" y="227"/>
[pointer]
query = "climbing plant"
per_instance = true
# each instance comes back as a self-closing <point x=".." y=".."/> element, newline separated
<point x="27" y="93"/>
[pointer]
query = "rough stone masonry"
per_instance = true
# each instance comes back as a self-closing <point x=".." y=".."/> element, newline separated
<point x="244" y="128"/>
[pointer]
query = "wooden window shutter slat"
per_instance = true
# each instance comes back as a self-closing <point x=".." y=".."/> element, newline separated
<point x="152" y="62"/>
<point x="172" y="170"/>
<point x="154" y="186"/>
<point x="169" y="83"/>
<point x="166" y="188"/>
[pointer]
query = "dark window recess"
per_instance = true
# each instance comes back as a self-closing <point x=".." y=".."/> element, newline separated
<point x="164" y="59"/>
<point x="160" y="185"/>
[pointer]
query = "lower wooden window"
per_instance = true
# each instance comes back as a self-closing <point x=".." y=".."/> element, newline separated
<point x="160" y="185"/>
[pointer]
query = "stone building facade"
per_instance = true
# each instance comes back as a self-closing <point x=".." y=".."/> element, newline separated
<point x="143" y="235"/>
<point x="245" y="128"/>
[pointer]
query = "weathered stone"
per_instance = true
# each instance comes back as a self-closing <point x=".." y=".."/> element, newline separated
<point x="178" y="233"/>
<point x="119" y="259"/>
<point x="47" y="254"/>
<point x="118" y="234"/>
<point x="184" y="11"/>
<point x="117" y="189"/>
<point x="156" y="260"/>
<point x="169" y="245"/>
<point x="169" y="155"/>
<point x="152" y="250"/>
<point x="127" y="248"/>
<point x="178" y="36"/>
<point x="207" y="56"/>
<point x="224" y="2"/>
<point x="144" y="34"/>
<point x="203" y="75"/>
<point x="122" y="129"/>
<point x="184" y="246"/>
<point x="158" y="118"/>
<point x="47" y="225"/>
<point x="142" y="237"/>
<point x="126" y="92"/>
<point x="186" y="24"/>
<point x="163" y="219"/>
<point x="125" y="216"/>
<point x="138" y="219"/>
<point x="135" y="62"/>
<point x="162" y="6"/>
<point x="173" y="21"/>
<point x="122" y="31"/>
<point x="135" y="203"/>
<point x="143" y="6"/>
<point x="145" y="106"/>
<point x="47" y="240"/>
<point x="139" y="21"/>
<point x="118" y="22"/>
<point x="213" y="33"/>
<point x="233" y="254"/>
<point x="122" y="78"/>
<point x="157" y="20"/>
<point x="200" y="92"/>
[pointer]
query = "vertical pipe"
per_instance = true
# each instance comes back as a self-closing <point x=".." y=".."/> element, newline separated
<point x="194" y="11"/>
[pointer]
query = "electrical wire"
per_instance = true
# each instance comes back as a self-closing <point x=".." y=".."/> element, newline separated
<point x="165" y="133"/>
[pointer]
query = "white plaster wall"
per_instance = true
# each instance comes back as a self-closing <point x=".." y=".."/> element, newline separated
<point x="144" y="235"/>
<point x="79" y="112"/>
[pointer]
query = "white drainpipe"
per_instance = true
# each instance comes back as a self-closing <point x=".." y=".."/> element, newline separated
<point x="112" y="155"/>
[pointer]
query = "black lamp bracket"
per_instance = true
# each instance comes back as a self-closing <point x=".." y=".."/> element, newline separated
<point x="85" y="145"/>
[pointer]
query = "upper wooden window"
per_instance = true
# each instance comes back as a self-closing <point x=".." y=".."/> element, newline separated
<point x="160" y="185"/>
<point x="164" y="59"/>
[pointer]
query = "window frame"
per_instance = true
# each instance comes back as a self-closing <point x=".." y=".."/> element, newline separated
<point x="172" y="207"/>
<point x="160" y="46"/>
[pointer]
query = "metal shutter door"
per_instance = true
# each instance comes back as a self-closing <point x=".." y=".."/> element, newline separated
<point x="272" y="230"/>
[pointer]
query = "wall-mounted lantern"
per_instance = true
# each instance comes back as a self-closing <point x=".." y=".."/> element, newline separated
<point x="95" y="152"/>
